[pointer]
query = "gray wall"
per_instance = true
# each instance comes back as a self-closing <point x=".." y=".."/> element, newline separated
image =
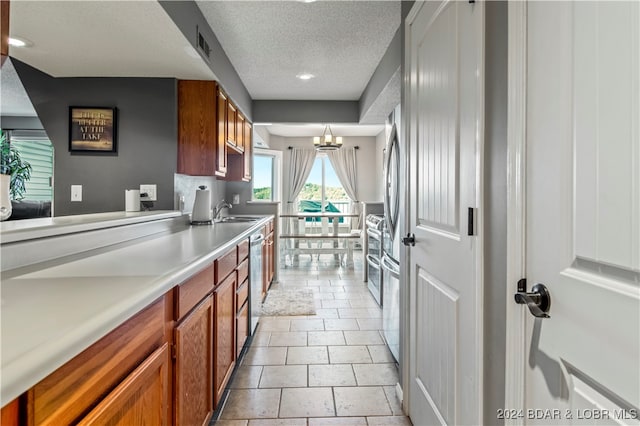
<point x="306" y="112"/>
<point x="495" y="215"/>
<point x="387" y="69"/>
<point x="146" y="137"/>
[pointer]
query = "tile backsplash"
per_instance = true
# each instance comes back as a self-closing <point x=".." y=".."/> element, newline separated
<point x="185" y="185"/>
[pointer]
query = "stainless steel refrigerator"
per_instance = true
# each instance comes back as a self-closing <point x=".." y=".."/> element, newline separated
<point x="391" y="237"/>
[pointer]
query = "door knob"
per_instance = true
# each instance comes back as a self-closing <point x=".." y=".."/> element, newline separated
<point x="538" y="300"/>
<point x="409" y="240"/>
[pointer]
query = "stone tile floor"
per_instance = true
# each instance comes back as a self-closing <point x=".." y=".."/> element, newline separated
<point x="331" y="368"/>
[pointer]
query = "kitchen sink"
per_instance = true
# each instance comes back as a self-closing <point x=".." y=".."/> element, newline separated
<point x="236" y="219"/>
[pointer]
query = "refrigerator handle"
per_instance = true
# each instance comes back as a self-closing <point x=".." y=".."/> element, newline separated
<point x="390" y="266"/>
<point x="392" y="217"/>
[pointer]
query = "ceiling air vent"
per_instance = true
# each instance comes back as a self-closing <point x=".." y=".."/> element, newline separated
<point x="203" y="45"/>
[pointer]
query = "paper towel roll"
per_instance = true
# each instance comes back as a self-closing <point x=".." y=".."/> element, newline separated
<point x="132" y="200"/>
<point x="202" y="206"/>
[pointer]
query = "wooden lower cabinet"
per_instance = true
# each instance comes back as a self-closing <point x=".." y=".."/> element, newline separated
<point x="141" y="399"/>
<point x="242" y="327"/>
<point x="66" y="395"/>
<point x="224" y="334"/>
<point x="168" y="364"/>
<point x="193" y="375"/>
<point x="268" y="258"/>
<point x="10" y="414"/>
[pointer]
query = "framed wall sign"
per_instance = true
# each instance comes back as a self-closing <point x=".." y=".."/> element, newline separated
<point x="92" y="129"/>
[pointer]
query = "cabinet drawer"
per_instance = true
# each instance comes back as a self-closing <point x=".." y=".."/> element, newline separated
<point x="192" y="291"/>
<point x="242" y="294"/>
<point x="243" y="270"/>
<point x="243" y="250"/>
<point x="225" y="264"/>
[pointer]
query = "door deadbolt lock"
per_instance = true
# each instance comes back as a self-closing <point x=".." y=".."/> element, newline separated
<point x="538" y="300"/>
<point x="409" y="240"/>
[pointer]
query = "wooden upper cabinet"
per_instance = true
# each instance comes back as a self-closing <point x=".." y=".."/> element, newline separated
<point x="197" y="126"/>
<point x="240" y="120"/>
<point x="231" y="124"/>
<point x="240" y="166"/>
<point x="248" y="151"/>
<point x="4" y="29"/>
<point x="221" y="137"/>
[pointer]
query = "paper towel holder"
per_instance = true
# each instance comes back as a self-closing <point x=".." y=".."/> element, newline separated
<point x="201" y="214"/>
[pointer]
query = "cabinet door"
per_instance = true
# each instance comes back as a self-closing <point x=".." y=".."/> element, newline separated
<point x="224" y="334"/>
<point x="193" y="366"/>
<point x="221" y="135"/>
<point x="265" y="264"/>
<point x="248" y="151"/>
<point x="141" y="399"/>
<point x="231" y="123"/>
<point x="271" y="259"/>
<point x="196" y="127"/>
<point x="10" y="414"/>
<point x="242" y="327"/>
<point x="240" y="142"/>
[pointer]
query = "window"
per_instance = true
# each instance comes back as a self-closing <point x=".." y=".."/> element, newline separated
<point x="36" y="148"/>
<point x="323" y="192"/>
<point x="266" y="175"/>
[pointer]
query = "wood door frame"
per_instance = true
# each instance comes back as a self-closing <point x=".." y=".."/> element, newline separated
<point x="405" y="272"/>
<point x="515" y="347"/>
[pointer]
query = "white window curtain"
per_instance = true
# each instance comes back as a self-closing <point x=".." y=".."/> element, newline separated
<point x="300" y="165"/>
<point x="344" y="163"/>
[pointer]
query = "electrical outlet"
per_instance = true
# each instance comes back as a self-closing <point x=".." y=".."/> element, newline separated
<point x="236" y="199"/>
<point x="151" y="191"/>
<point x="76" y="192"/>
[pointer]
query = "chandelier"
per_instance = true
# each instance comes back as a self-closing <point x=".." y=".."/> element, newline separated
<point x="327" y="142"/>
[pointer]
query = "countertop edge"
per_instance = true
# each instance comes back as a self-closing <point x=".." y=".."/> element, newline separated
<point x="93" y="223"/>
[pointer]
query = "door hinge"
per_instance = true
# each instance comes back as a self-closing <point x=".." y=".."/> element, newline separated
<point x="472" y="1"/>
<point x="471" y="221"/>
<point x="522" y="285"/>
<point x="174" y="351"/>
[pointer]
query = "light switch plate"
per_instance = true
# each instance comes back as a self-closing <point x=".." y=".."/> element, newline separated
<point x="76" y="192"/>
<point x="151" y="190"/>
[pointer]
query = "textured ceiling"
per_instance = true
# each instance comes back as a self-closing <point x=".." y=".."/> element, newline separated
<point x="270" y="42"/>
<point x="13" y="98"/>
<point x="103" y="38"/>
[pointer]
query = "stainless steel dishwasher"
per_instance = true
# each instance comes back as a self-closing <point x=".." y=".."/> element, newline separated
<point x="255" y="278"/>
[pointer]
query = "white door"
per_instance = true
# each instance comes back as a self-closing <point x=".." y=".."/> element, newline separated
<point x="444" y="113"/>
<point x="582" y="365"/>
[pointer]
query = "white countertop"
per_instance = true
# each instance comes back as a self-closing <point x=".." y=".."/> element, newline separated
<point x="50" y="315"/>
<point x="19" y="230"/>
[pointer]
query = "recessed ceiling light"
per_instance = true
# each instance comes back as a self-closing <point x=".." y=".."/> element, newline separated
<point x="307" y="1"/>
<point x="262" y="124"/>
<point x="19" y="42"/>
<point x="305" y="76"/>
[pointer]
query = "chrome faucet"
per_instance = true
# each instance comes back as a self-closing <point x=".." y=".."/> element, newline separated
<point x="218" y="209"/>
